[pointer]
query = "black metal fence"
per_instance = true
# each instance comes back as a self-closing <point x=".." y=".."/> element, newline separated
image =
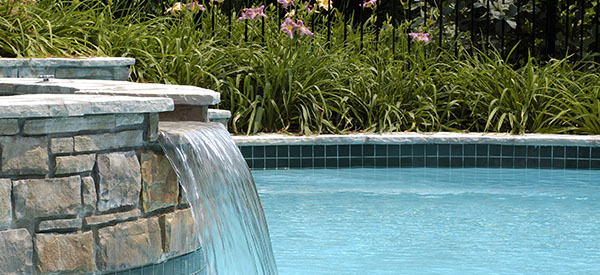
<point x="550" y="28"/>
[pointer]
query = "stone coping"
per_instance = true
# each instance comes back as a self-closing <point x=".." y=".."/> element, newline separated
<point x="64" y="105"/>
<point x="181" y="94"/>
<point x="421" y="138"/>
<point x="178" y="128"/>
<point x="67" y="62"/>
<point x="218" y="114"/>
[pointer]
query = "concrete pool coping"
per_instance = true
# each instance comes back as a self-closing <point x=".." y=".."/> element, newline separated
<point x="420" y="138"/>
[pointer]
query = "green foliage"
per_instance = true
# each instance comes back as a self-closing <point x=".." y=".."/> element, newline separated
<point x="309" y="85"/>
<point x="503" y="23"/>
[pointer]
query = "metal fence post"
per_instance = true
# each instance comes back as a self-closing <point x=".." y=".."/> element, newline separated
<point x="550" y="31"/>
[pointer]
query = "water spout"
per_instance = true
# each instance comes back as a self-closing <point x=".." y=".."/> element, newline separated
<point x="220" y="190"/>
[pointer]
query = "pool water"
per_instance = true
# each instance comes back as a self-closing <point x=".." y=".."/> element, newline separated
<point x="433" y="220"/>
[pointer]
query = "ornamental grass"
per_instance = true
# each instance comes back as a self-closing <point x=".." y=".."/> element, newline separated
<point x="318" y="75"/>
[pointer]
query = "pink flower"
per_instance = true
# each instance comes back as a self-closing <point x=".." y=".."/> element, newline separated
<point x="308" y="7"/>
<point x="195" y="6"/>
<point x="288" y="26"/>
<point x="419" y="36"/>
<point x="368" y="3"/>
<point x="303" y="29"/>
<point x="286" y="3"/>
<point x="252" y="13"/>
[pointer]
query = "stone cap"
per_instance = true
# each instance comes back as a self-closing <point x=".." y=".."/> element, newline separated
<point x="67" y="62"/>
<point x="420" y="138"/>
<point x="54" y="105"/>
<point x="177" y="129"/>
<point x="218" y="114"/>
<point x="181" y="94"/>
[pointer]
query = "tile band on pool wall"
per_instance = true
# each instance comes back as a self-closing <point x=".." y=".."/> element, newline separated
<point x="510" y="152"/>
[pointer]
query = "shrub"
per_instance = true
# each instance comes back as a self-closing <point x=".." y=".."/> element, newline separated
<point x="315" y="83"/>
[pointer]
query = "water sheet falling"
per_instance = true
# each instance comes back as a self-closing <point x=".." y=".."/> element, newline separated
<point x="220" y="189"/>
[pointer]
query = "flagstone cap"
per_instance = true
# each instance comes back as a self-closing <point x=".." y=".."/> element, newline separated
<point x="67" y="62"/>
<point x="180" y="94"/>
<point x="66" y="105"/>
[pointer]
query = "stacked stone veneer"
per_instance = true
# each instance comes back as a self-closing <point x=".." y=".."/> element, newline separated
<point x="88" y="194"/>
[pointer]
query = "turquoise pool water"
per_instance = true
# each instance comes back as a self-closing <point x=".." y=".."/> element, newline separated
<point x="433" y="221"/>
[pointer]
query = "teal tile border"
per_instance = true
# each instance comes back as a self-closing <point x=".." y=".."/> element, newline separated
<point x="421" y="155"/>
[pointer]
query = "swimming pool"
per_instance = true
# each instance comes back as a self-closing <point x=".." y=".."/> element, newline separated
<point x="433" y="220"/>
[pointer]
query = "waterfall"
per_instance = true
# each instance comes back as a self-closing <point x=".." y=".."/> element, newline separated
<point x="220" y="189"/>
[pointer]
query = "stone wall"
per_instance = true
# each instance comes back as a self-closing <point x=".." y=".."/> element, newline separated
<point x="88" y="194"/>
<point x="110" y="68"/>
